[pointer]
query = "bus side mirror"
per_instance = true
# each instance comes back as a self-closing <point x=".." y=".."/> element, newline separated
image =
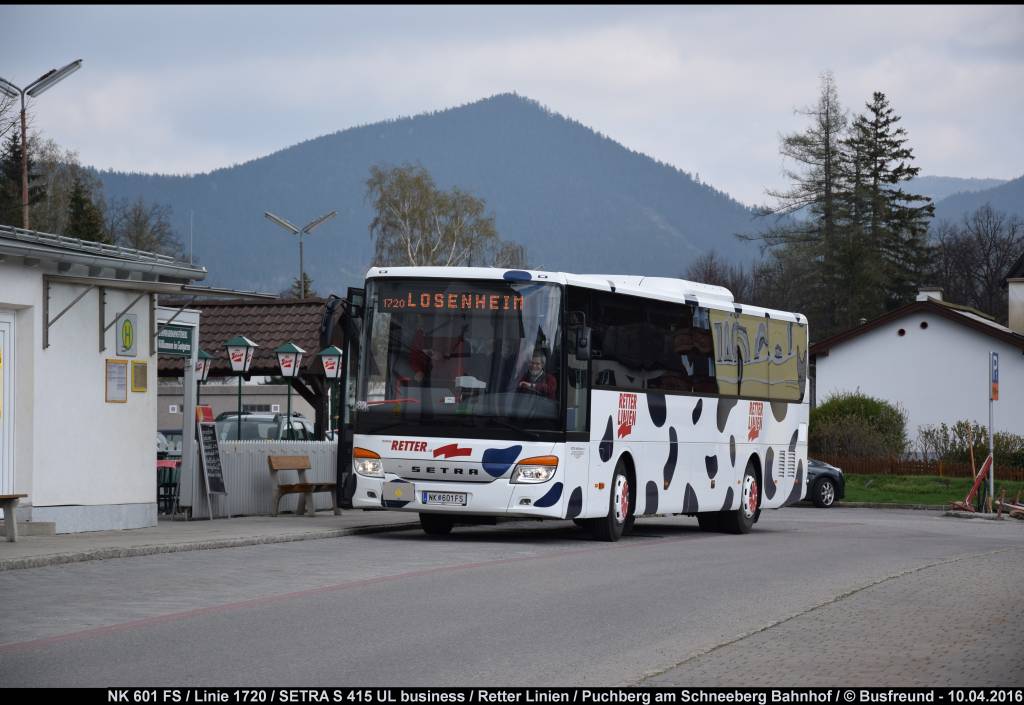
<point x="583" y="343"/>
<point x="356" y="301"/>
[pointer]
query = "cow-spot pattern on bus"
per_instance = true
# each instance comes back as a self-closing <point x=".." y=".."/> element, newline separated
<point x="649" y="437"/>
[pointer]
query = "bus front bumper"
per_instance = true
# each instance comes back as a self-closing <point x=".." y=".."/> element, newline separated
<point x="497" y="498"/>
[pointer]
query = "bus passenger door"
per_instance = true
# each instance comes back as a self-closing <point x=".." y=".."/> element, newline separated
<point x="577" y="416"/>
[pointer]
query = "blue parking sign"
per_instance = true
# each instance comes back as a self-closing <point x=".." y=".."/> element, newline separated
<point x="995" y="376"/>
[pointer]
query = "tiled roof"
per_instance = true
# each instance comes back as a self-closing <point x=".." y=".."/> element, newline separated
<point x="267" y="324"/>
<point x="958" y="314"/>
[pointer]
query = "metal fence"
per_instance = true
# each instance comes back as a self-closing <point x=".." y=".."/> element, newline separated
<point x="248" y="481"/>
<point x="903" y="466"/>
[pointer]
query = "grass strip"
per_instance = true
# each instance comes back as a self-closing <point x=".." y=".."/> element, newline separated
<point x="918" y="489"/>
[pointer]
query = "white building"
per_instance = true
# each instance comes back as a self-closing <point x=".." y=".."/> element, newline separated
<point x="932" y="357"/>
<point x="78" y="378"/>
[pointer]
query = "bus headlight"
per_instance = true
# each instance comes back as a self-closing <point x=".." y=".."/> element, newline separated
<point x="533" y="471"/>
<point x="367" y="463"/>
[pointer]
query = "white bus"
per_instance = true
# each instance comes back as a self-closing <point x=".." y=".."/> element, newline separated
<point x="487" y="393"/>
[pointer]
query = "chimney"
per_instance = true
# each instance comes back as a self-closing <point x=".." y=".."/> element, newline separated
<point x="1016" y="287"/>
<point x="929" y="292"/>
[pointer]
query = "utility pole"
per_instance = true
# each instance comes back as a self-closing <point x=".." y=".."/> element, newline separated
<point x="33" y="90"/>
<point x="304" y="230"/>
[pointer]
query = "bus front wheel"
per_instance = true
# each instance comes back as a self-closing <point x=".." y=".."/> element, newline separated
<point x="620" y="509"/>
<point x="436" y="524"/>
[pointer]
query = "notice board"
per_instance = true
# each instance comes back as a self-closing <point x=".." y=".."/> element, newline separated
<point x="209" y="456"/>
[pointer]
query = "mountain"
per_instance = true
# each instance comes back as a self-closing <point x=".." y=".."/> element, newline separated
<point x="940" y="187"/>
<point x="578" y="200"/>
<point x="1007" y="197"/>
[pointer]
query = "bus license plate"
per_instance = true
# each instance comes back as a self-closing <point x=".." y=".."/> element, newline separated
<point x="456" y="498"/>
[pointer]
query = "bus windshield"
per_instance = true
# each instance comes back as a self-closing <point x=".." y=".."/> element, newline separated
<point x="439" y="354"/>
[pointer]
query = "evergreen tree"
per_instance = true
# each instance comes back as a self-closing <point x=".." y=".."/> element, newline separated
<point x="893" y="221"/>
<point x="10" y="181"/>
<point x="816" y="193"/>
<point x="298" y="291"/>
<point x="85" y="219"/>
<point x="861" y="248"/>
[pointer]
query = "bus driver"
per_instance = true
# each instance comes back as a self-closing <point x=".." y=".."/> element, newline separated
<point x="536" y="380"/>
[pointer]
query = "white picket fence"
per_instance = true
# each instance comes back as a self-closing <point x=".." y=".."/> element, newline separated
<point x="248" y="481"/>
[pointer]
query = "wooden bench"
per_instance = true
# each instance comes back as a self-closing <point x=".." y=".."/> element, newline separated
<point x="300" y="464"/>
<point x="9" y="503"/>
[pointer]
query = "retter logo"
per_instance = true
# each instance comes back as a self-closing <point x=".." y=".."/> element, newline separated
<point x="755" y="420"/>
<point x="627" y="414"/>
<point x="452" y="450"/>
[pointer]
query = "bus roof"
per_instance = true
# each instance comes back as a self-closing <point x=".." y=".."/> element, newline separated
<point x="659" y="288"/>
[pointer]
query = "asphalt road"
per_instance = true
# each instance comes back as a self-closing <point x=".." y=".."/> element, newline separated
<point x="834" y="597"/>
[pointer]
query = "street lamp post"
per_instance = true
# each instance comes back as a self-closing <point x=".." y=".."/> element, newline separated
<point x="240" y="353"/>
<point x="33" y="90"/>
<point x="304" y="230"/>
<point x="289" y="359"/>
<point x="330" y="358"/>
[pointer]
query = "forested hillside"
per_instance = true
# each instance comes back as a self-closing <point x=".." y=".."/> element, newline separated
<point x="1007" y="198"/>
<point x="577" y="200"/>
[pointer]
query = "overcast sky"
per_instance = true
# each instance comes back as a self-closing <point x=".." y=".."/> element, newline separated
<point x="707" y="89"/>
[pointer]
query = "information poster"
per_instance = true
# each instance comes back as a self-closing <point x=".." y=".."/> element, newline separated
<point x="140" y="376"/>
<point x="117" y="381"/>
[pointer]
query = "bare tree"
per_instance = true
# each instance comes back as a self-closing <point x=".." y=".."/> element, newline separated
<point x="56" y="171"/>
<point x="9" y="115"/>
<point x="508" y="255"/>
<point x="710" y="268"/>
<point x="144" y="227"/>
<point x="418" y="224"/>
<point x="969" y="260"/>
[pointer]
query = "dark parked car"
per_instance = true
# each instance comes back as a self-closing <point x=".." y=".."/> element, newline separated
<point x="825" y="483"/>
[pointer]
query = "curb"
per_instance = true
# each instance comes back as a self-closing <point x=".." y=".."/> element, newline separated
<point x="977" y="515"/>
<point x="881" y="505"/>
<point x="149" y="550"/>
<point x="872" y="505"/>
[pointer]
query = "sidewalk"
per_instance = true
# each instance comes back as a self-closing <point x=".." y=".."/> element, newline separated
<point x="170" y="535"/>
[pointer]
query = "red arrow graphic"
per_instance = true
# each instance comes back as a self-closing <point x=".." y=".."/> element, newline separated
<point x="452" y="450"/>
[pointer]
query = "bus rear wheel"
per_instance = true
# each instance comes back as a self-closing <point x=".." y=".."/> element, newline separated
<point x="620" y="509"/>
<point x="436" y="524"/>
<point x="741" y="521"/>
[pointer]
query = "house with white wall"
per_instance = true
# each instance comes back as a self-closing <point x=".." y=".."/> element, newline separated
<point x="78" y="378"/>
<point x="932" y="358"/>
